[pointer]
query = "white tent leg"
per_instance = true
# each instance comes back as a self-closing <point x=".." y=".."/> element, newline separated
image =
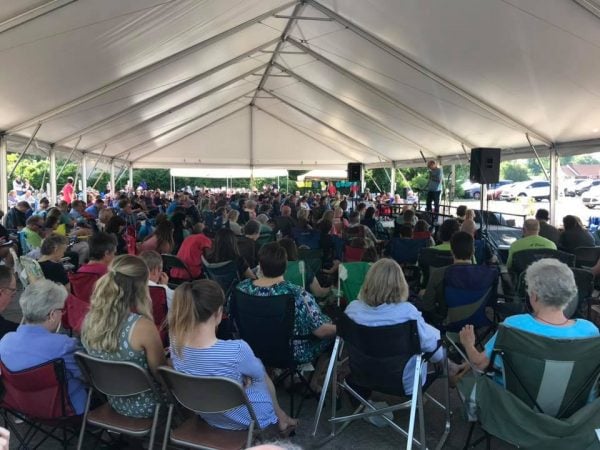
<point x="84" y="176"/>
<point x="3" y="176"/>
<point x="393" y="179"/>
<point x="112" y="177"/>
<point x="52" y="193"/>
<point x="554" y="167"/>
<point x="131" y="177"/>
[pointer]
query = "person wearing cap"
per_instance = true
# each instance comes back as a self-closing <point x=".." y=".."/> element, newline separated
<point x="546" y="230"/>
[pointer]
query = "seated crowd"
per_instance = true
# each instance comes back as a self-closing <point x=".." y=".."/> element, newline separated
<point x="124" y="245"/>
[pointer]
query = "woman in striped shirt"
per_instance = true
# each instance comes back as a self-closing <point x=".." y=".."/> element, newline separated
<point x="195" y="350"/>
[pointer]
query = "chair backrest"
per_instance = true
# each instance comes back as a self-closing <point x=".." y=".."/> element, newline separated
<point x="39" y="392"/>
<point x="31" y="271"/>
<point x="158" y="295"/>
<point x="553" y="376"/>
<point x="586" y="257"/>
<point x="406" y="251"/>
<point x="173" y="262"/>
<point x="225" y="274"/>
<point x="308" y="238"/>
<point x="205" y="395"/>
<point x="267" y="325"/>
<point x="524" y="258"/>
<point x="479" y="251"/>
<point x="75" y="312"/>
<point x="265" y="238"/>
<point x="378" y="355"/>
<point x="353" y="254"/>
<point x="296" y="273"/>
<point x="82" y="284"/>
<point x="313" y="258"/>
<point x="468" y="289"/>
<point x="114" y="378"/>
<point x="432" y="257"/>
<point x="412" y="274"/>
<point x="351" y="277"/>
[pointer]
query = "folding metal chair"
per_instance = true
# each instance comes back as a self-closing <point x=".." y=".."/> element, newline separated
<point x="39" y="396"/>
<point x="379" y="368"/>
<point x="205" y="395"/>
<point x="116" y="379"/>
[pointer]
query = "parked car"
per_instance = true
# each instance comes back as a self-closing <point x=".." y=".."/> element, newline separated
<point x="591" y="198"/>
<point x="572" y="185"/>
<point x="585" y="187"/>
<point x="473" y="190"/>
<point x="537" y="190"/>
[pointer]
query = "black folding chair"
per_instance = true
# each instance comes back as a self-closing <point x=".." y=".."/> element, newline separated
<point x="380" y="368"/>
<point x="432" y="257"/>
<point x="173" y="262"/>
<point x="586" y="257"/>
<point x="267" y="325"/>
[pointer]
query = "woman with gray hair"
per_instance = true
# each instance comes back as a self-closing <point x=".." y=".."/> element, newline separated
<point x="37" y="340"/>
<point x="551" y="288"/>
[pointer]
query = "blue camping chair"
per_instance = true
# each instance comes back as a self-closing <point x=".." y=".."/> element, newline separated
<point x="406" y="251"/>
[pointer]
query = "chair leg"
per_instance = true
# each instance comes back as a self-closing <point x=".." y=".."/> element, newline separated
<point x="413" y="403"/>
<point x="421" y="418"/>
<point x="154" y="424"/>
<point x="84" y="420"/>
<point x="469" y="436"/>
<point x="332" y="362"/>
<point x="168" y="427"/>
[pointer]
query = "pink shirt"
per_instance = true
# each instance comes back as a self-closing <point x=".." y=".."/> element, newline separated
<point x="67" y="192"/>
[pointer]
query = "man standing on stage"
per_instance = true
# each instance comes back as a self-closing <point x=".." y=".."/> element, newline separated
<point x="434" y="186"/>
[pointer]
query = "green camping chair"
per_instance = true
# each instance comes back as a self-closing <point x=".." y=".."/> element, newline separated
<point x="351" y="277"/>
<point x="545" y="404"/>
<point x="296" y="273"/>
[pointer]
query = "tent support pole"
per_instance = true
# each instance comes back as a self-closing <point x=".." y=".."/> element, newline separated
<point x="97" y="161"/>
<point x="69" y="158"/>
<point x="84" y="175"/>
<point x="284" y="34"/>
<point x="147" y="69"/>
<point x="355" y="110"/>
<point x="3" y="174"/>
<point x="537" y="156"/>
<point x="514" y="123"/>
<point x="330" y="127"/>
<point x="191" y="132"/>
<point x="53" y="177"/>
<point x="114" y="191"/>
<point x="181" y="125"/>
<point x="251" y="146"/>
<point x="37" y="128"/>
<point x="131" y="177"/>
<point x="380" y="93"/>
<point x="112" y="175"/>
<point x="393" y="179"/>
<point x="554" y="168"/>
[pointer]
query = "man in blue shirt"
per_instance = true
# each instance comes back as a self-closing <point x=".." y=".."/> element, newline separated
<point x="36" y="341"/>
<point x="434" y="186"/>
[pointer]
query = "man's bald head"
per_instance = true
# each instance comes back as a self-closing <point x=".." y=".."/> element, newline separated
<point x="531" y="227"/>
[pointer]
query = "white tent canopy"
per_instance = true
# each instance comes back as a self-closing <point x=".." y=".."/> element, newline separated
<point x="228" y="173"/>
<point x="299" y="84"/>
<point x="324" y="175"/>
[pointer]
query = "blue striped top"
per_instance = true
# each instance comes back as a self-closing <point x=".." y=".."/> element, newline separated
<point x="232" y="359"/>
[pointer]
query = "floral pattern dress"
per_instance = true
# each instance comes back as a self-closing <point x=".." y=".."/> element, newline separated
<point x="308" y="316"/>
<point x="140" y="405"/>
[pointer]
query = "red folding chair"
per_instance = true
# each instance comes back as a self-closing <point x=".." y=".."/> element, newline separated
<point x="75" y="312"/>
<point x="82" y="284"/>
<point x="39" y="396"/>
<point x="353" y="254"/>
<point x="158" y="295"/>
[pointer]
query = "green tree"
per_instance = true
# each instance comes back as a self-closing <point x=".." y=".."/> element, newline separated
<point x="512" y="170"/>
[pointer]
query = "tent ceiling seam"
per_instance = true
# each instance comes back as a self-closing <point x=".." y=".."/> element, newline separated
<point x="397" y="54"/>
<point x="147" y="69"/>
<point x="361" y="113"/>
<point x="145" y="155"/>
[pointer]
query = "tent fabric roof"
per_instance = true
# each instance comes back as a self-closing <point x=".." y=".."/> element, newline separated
<point x="299" y="84"/>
